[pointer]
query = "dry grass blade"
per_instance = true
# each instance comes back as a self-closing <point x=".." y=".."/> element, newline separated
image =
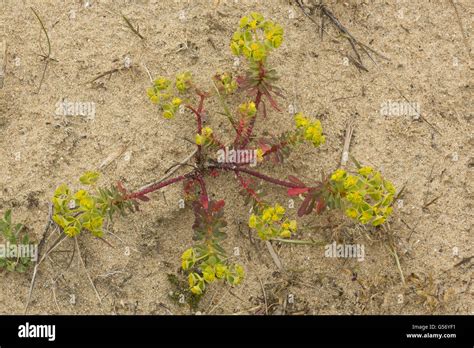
<point x="132" y="28"/>
<point x="46" y="57"/>
<point x="87" y="273"/>
<point x="274" y="255"/>
<point x="347" y="143"/>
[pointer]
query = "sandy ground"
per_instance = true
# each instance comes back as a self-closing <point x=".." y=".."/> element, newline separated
<point x="432" y="228"/>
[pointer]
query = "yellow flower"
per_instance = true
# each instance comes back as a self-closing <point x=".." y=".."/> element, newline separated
<point x="176" y="101"/>
<point x="206" y="132"/>
<point x="314" y="133"/>
<point x="71" y="231"/>
<point x="300" y="120"/>
<point x="168" y="114"/>
<point x="209" y="274"/>
<point x="248" y="109"/>
<point x="350" y="182"/>
<point x="285" y="234"/>
<point x="279" y="210"/>
<point x="183" y="81"/>
<point x="366" y="171"/>
<point x="354" y="197"/>
<point x="240" y="270"/>
<point x="199" y="139"/>
<point x="253" y="221"/>
<point x="221" y="271"/>
<point x="80" y="194"/>
<point x="150" y="92"/>
<point x="293" y="226"/>
<point x="251" y="109"/>
<point x="338" y="175"/>
<point x="87" y="203"/>
<point x="267" y="214"/>
<point x="352" y="213"/>
<point x="161" y="83"/>
<point x="365" y="217"/>
<point x="257" y="51"/>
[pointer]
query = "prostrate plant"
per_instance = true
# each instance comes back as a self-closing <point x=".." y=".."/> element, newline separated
<point x="13" y="235"/>
<point x="82" y="210"/>
<point x="365" y="196"/>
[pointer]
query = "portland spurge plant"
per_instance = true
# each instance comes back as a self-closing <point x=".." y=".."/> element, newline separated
<point x="364" y="196"/>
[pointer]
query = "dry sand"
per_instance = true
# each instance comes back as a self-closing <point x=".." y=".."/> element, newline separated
<point x="430" y="63"/>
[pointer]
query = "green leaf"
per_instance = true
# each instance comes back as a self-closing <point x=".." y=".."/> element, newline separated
<point x="89" y="178"/>
<point x="8" y="216"/>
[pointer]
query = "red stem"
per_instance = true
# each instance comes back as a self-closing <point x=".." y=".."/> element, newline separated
<point x="275" y="148"/>
<point x="158" y="186"/>
<point x="204" y="196"/>
<point x="248" y="134"/>
<point x="258" y="175"/>
<point x="198" y="113"/>
<point x="246" y="187"/>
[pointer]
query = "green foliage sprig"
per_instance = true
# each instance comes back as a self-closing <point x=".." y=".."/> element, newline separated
<point x="14" y="235"/>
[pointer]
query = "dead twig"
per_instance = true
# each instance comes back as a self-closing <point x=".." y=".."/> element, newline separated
<point x="274" y="255"/>
<point x="171" y="170"/>
<point x="463" y="33"/>
<point x="391" y="248"/>
<point x="46" y="57"/>
<point x="132" y="28"/>
<point x="264" y="295"/>
<point x="347" y="143"/>
<point x="355" y="44"/>
<point x="87" y="273"/>
<point x="53" y="288"/>
<point x="431" y="202"/>
<point x="463" y="261"/>
<point x="365" y="48"/>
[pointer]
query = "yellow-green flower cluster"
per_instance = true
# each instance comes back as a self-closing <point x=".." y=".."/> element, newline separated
<point x="159" y="91"/>
<point x="367" y="196"/>
<point x="209" y="268"/>
<point x="75" y="211"/>
<point x="311" y="131"/>
<point x="228" y="83"/>
<point x="248" y="109"/>
<point x="205" y="138"/>
<point x="246" y="40"/>
<point x="162" y="94"/>
<point x="183" y="81"/>
<point x="271" y="223"/>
